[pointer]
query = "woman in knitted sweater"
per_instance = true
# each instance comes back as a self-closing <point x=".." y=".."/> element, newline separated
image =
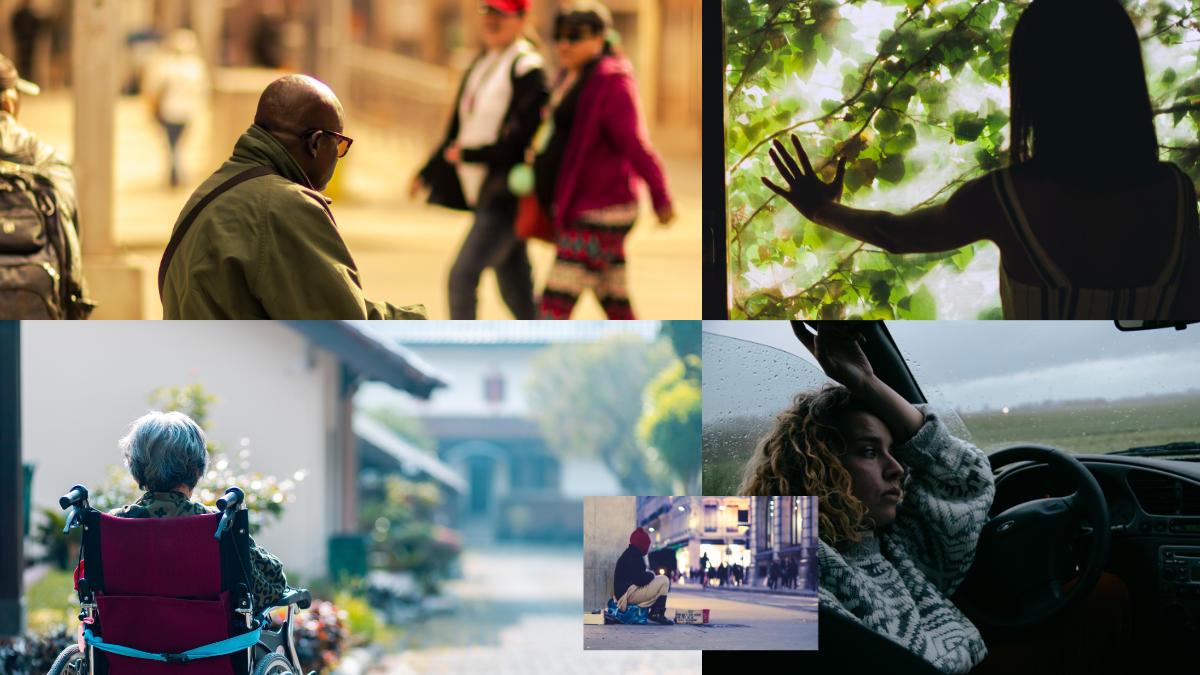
<point x="902" y="502"/>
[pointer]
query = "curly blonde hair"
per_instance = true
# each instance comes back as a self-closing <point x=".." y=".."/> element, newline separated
<point x="801" y="456"/>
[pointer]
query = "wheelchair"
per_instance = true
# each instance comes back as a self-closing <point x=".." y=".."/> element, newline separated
<point x="171" y="596"/>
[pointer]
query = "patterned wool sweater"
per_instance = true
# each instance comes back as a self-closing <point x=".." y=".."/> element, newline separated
<point x="898" y="583"/>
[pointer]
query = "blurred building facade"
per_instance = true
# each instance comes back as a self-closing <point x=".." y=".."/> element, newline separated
<point x="365" y="46"/>
<point x="516" y="487"/>
<point x="693" y="527"/>
<point x="783" y="529"/>
<point x="747" y="531"/>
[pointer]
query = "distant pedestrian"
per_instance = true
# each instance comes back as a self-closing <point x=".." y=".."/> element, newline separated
<point x="633" y="584"/>
<point x="176" y="86"/>
<point x="704" y="571"/>
<point x="25" y="27"/>
<point x="773" y="575"/>
<point x="497" y="112"/>
<point x="593" y="150"/>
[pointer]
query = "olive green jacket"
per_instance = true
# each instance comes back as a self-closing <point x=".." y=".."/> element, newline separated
<point x="266" y="249"/>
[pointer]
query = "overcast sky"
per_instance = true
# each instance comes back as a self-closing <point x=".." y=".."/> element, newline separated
<point x="973" y="364"/>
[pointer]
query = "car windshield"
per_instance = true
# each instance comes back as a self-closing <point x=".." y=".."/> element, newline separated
<point x="1083" y="387"/>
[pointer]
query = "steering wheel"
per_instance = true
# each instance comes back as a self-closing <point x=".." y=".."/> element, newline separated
<point x="1028" y="554"/>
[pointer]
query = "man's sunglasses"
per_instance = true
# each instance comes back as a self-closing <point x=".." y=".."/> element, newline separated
<point x="343" y="142"/>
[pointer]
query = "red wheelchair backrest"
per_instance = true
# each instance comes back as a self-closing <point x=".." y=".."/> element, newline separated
<point x="173" y="557"/>
<point x="159" y="589"/>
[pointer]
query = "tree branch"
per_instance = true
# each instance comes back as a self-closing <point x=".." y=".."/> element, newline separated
<point x="757" y="51"/>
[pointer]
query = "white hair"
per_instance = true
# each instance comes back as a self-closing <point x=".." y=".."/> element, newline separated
<point x="164" y="450"/>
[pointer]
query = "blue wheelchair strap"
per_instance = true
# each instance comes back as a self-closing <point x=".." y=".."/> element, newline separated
<point x="221" y="648"/>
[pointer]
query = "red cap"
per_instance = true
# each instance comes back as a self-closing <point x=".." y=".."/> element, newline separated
<point x="508" y="6"/>
<point x="641" y="540"/>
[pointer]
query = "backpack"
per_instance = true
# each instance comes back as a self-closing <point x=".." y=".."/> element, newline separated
<point x="35" y="275"/>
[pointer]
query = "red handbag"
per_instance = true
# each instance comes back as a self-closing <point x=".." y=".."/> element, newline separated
<point x="531" y="221"/>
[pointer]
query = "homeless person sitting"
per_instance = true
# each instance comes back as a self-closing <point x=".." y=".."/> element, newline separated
<point x="166" y="454"/>
<point x="637" y="585"/>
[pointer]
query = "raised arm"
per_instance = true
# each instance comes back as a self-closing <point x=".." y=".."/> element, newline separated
<point x="960" y="220"/>
<point x="837" y="346"/>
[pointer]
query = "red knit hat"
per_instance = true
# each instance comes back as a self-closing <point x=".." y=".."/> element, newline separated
<point x="641" y="540"/>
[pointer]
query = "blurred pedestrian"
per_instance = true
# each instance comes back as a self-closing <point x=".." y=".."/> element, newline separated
<point x="25" y="27"/>
<point x="39" y="243"/>
<point x="496" y="114"/>
<point x="773" y="575"/>
<point x="176" y="86"/>
<point x="257" y="239"/>
<point x="704" y="571"/>
<point x="592" y="149"/>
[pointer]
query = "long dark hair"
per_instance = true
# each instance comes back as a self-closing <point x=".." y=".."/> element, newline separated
<point x="1079" y="102"/>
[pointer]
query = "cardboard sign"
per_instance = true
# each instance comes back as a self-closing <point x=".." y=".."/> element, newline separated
<point x="696" y="616"/>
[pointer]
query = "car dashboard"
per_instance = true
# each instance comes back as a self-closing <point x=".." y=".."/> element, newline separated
<point x="1154" y="515"/>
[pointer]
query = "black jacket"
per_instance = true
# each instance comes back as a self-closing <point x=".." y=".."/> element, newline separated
<point x="521" y="121"/>
<point x="630" y="570"/>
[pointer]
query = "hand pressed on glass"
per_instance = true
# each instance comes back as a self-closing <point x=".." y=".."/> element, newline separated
<point x="805" y="191"/>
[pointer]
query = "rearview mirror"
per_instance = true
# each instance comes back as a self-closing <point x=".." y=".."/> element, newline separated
<point x="1136" y="324"/>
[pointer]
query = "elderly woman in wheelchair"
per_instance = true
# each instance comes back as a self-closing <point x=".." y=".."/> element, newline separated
<point x="168" y="585"/>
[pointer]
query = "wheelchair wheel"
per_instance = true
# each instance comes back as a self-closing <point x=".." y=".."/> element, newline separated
<point x="69" y="662"/>
<point x="273" y="664"/>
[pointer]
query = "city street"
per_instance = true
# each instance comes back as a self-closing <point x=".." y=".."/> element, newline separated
<point x="403" y="248"/>
<point x="519" y="612"/>
<point x="737" y="620"/>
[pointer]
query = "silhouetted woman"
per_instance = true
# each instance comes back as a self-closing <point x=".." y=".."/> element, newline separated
<point x="1088" y="222"/>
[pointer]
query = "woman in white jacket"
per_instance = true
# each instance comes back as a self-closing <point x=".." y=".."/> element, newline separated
<point x="497" y="111"/>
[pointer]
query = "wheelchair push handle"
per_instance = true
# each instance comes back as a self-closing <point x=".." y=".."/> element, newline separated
<point x="74" y="497"/>
<point x="229" y="504"/>
<point x="232" y="499"/>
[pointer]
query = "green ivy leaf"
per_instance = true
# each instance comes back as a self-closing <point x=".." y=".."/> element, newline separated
<point x="968" y="130"/>
<point x="887" y="122"/>
<point x="891" y="169"/>
<point x="919" y="305"/>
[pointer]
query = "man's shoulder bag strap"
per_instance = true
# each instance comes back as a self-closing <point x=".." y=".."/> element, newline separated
<point x="186" y="224"/>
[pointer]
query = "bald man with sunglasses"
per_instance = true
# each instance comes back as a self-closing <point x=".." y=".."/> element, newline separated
<point x="257" y="240"/>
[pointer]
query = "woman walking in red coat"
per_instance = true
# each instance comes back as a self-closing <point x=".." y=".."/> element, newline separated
<point x="590" y="153"/>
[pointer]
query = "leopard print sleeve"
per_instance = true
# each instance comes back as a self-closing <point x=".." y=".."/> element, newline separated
<point x="268" y="580"/>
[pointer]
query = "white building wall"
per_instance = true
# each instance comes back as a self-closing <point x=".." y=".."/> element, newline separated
<point x="83" y="383"/>
<point x="464" y="367"/>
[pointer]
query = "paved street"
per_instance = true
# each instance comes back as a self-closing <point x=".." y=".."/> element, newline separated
<point x="737" y="620"/>
<point x="403" y="248"/>
<point x="519" y="612"/>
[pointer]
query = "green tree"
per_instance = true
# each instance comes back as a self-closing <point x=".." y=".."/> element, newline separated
<point x="914" y="94"/>
<point x="670" y="423"/>
<point x="587" y="400"/>
<point x="404" y="537"/>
